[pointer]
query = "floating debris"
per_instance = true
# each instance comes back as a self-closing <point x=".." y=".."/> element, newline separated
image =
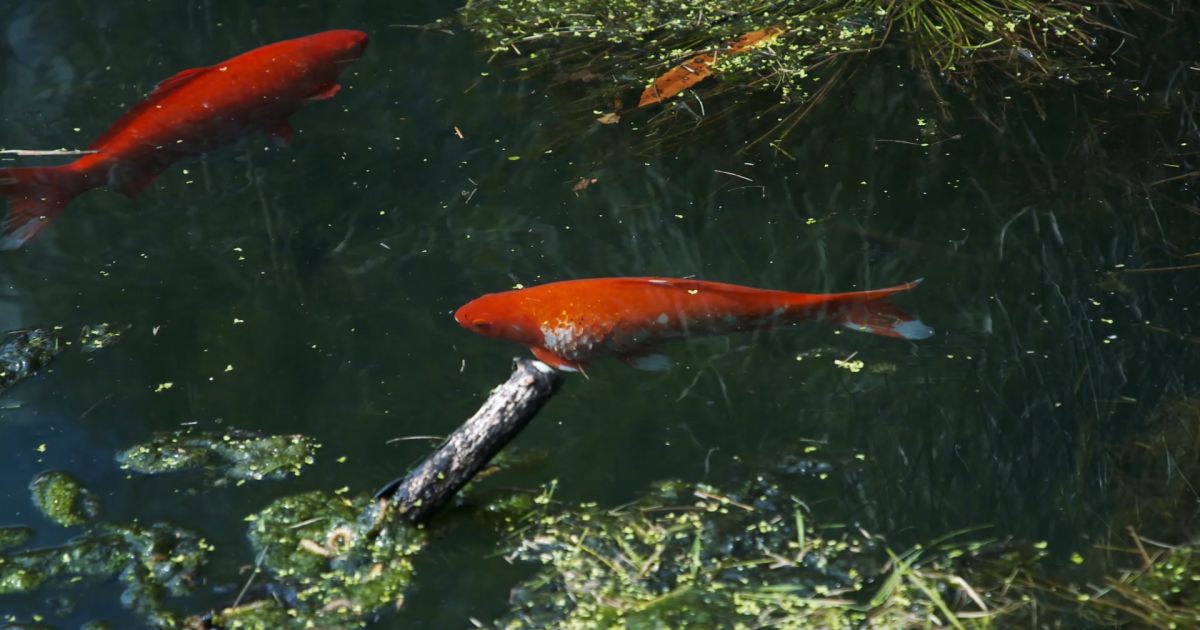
<point x="233" y="454"/>
<point x="63" y="499"/>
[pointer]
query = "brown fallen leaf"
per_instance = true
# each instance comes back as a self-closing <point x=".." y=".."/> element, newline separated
<point x="755" y="38"/>
<point x="583" y="183"/>
<point x="610" y="118"/>
<point x="678" y="79"/>
<point x="699" y="67"/>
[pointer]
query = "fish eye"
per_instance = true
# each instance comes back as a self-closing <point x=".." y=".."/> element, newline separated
<point x="481" y="324"/>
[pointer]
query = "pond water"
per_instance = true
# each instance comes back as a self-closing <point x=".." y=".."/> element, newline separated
<point x="310" y="290"/>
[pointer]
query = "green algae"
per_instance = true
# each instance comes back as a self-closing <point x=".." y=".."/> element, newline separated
<point x="338" y="559"/>
<point x="233" y="454"/>
<point x="63" y="499"/>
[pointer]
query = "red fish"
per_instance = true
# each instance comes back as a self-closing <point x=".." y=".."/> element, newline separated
<point x="194" y="111"/>
<point x="569" y="324"/>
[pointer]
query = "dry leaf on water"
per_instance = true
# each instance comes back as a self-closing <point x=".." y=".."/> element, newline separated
<point x="678" y="79"/>
<point x="755" y="38"/>
<point x="699" y="67"/>
<point x="583" y="183"/>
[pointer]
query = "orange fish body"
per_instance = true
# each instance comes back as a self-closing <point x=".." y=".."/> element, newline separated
<point x="190" y="113"/>
<point x="569" y="324"/>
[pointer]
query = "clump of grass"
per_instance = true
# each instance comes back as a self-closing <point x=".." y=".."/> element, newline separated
<point x="959" y="42"/>
<point x="691" y="555"/>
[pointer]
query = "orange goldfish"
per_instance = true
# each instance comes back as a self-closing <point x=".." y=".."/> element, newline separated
<point x="569" y="324"/>
<point x="196" y="110"/>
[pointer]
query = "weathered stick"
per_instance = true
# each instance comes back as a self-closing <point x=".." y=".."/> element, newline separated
<point x="511" y="406"/>
<point x="35" y="152"/>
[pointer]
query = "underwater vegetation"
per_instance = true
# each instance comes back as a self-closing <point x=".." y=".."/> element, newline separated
<point x="151" y="562"/>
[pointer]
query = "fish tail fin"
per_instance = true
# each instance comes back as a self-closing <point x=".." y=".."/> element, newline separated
<point x="880" y="318"/>
<point x="34" y="195"/>
<point x="865" y="311"/>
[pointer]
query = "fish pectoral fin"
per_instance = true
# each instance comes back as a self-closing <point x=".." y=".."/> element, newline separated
<point x="881" y="318"/>
<point x="325" y="93"/>
<point x="650" y="362"/>
<point x="282" y="132"/>
<point x="555" y="361"/>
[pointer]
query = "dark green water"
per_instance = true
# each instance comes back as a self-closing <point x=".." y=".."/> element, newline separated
<point x="345" y="254"/>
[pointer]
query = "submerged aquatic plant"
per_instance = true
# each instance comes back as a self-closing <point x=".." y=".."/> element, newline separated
<point x="811" y="45"/>
<point x="151" y="561"/>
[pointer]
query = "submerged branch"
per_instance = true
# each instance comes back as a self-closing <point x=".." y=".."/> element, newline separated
<point x="510" y="407"/>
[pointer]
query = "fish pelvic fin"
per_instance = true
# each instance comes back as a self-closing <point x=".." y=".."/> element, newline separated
<point x="880" y="318"/>
<point x="35" y="196"/>
<point x="555" y="361"/>
<point x="654" y="362"/>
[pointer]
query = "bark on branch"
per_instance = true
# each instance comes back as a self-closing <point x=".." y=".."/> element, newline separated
<point x="511" y="406"/>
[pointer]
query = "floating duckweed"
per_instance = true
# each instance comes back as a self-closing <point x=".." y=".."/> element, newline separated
<point x="63" y="499"/>
<point x="233" y="454"/>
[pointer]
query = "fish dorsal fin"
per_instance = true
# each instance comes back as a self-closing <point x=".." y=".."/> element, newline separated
<point x="164" y="87"/>
<point x="176" y="80"/>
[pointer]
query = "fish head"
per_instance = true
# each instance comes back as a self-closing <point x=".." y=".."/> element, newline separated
<point x="499" y="315"/>
<point x="342" y="47"/>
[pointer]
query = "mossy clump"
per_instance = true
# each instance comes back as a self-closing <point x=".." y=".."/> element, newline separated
<point x="337" y="560"/>
<point x="63" y="499"/>
<point x="693" y="555"/>
<point x="152" y="563"/>
<point x="233" y="454"/>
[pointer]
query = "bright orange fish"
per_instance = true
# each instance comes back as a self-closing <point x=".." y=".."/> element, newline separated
<point x="568" y="324"/>
<point x="192" y="112"/>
